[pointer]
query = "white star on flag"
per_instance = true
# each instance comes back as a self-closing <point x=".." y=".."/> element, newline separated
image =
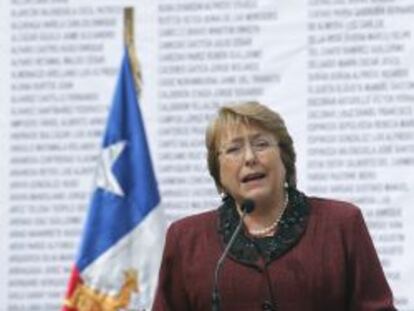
<point x="105" y="178"/>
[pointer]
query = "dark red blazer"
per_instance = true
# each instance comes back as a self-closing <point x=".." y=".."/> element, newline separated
<point x="333" y="267"/>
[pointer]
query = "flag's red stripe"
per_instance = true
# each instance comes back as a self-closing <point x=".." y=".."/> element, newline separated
<point x="75" y="279"/>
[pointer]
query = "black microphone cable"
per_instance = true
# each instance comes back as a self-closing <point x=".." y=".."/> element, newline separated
<point x="246" y="208"/>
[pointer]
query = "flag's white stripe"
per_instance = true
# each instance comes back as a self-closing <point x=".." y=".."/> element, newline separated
<point x="140" y="249"/>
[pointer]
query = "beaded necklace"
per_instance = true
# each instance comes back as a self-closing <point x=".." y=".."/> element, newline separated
<point x="266" y="230"/>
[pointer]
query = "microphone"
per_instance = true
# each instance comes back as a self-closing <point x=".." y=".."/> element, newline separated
<point x="247" y="207"/>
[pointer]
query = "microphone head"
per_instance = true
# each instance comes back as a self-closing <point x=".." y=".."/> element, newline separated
<point x="248" y="206"/>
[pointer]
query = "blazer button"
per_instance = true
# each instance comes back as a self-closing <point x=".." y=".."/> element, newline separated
<point x="267" y="306"/>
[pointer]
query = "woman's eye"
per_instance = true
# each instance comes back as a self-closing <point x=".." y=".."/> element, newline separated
<point x="233" y="149"/>
<point x="262" y="144"/>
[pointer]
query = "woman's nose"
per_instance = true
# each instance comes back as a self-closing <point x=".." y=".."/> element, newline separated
<point x="249" y="153"/>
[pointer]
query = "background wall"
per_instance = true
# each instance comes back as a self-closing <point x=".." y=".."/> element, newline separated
<point x="339" y="71"/>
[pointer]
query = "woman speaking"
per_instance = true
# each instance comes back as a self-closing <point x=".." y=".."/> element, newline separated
<point x="285" y="250"/>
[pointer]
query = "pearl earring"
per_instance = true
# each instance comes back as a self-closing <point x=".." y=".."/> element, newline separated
<point x="224" y="196"/>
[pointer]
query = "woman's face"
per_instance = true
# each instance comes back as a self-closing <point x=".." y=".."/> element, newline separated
<point x="250" y="164"/>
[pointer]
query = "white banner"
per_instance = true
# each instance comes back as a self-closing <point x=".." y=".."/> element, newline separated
<point x="339" y="71"/>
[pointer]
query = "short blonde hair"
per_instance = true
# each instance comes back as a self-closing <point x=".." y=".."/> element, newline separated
<point x="255" y="114"/>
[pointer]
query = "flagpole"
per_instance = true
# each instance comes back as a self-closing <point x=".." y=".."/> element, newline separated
<point x="130" y="44"/>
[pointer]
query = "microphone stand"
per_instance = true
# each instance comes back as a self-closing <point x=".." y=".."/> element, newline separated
<point x="247" y="207"/>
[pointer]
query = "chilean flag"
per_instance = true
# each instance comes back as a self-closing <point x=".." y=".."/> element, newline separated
<point x="117" y="266"/>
